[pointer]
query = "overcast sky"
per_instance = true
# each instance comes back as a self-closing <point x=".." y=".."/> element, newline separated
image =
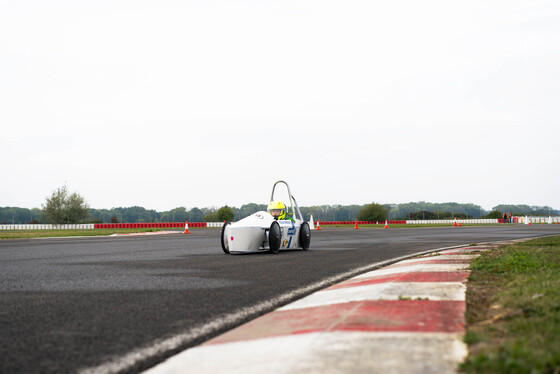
<point x="204" y="103"/>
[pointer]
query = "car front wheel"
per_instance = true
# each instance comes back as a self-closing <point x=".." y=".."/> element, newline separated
<point x="225" y="244"/>
<point x="305" y="235"/>
<point x="274" y="237"/>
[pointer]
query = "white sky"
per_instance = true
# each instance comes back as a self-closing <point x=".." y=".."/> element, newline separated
<point x="205" y="103"/>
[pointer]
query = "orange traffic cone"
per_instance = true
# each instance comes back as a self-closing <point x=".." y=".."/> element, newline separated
<point x="459" y="222"/>
<point x="186" y="227"/>
<point x="386" y="225"/>
<point x="318" y="226"/>
<point x="455" y="222"/>
<point x="356" y="225"/>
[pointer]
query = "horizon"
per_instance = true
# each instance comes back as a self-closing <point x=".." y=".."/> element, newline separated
<point x="302" y="206"/>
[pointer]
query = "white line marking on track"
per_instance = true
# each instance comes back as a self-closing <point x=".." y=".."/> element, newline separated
<point x="147" y="233"/>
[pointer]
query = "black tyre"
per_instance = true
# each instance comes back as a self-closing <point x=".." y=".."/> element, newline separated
<point x="305" y="236"/>
<point x="225" y="245"/>
<point x="274" y="237"/>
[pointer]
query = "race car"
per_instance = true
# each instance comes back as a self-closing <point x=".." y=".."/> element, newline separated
<point x="280" y="227"/>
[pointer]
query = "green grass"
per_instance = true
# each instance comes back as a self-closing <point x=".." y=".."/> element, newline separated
<point x="513" y="309"/>
<point x="29" y="234"/>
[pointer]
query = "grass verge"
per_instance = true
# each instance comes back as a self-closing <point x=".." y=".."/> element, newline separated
<point x="513" y="309"/>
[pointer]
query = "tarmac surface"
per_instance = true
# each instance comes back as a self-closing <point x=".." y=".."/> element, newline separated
<point x="124" y="304"/>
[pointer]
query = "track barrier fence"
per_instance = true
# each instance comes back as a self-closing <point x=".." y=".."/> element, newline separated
<point x="167" y="225"/>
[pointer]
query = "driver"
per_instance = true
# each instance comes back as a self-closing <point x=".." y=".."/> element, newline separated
<point x="277" y="209"/>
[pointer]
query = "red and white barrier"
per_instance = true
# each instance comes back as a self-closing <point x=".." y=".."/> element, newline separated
<point x="87" y="226"/>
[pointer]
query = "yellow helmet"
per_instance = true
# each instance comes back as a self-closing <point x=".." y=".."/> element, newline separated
<point x="277" y="209"/>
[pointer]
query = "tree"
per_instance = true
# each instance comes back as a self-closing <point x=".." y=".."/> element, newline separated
<point x="62" y="207"/>
<point x="494" y="214"/>
<point x="195" y="215"/>
<point x="13" y="215"/>
<point x="225" y="213"/>
<point x="247" y="210"/>
<point x="211" y="217"/>
<point x="373" y="212"/>
<point x="174" y="215"/>
<point x="423" y="214"/>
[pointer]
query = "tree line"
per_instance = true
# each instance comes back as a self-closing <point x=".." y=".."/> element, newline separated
<point x="63" y="207"/>
<point x="137" y="214"/>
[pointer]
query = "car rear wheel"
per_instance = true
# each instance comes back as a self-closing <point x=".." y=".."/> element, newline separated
<point x="305" y="236"/>
<point x="274" y="237"/>
<point x="225" y="244"/>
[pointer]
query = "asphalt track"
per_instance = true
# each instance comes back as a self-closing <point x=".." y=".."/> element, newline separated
<point x="83" y="304"/>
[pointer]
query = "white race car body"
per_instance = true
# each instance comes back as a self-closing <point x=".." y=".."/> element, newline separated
<point x="261" y="231"/>
<point x="251" y="233"/>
